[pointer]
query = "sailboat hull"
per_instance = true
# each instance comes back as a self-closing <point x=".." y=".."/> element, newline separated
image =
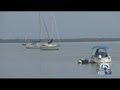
<point x="33" y="46"/>
<point x="49" y="47"/>
<point x="23" y="44"/>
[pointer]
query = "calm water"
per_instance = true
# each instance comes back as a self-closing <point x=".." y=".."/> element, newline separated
<point x="18" y="62"/>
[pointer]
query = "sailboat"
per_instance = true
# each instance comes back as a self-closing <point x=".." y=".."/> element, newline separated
<point x="51" y="45"/>
<point x="34" y="45"/>
<point x="24" y="42"/>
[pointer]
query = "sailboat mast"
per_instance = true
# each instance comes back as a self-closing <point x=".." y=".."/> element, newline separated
<point x="52" y="26"/>
<point x="40" y="32"/>
<point x="46" y="28"/>
<point x="56" y="27"/>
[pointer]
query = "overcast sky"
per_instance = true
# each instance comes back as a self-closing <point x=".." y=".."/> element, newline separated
<point x="79" y="24"/>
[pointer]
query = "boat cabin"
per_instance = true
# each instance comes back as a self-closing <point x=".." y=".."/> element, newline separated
<point x="100" y="51"/>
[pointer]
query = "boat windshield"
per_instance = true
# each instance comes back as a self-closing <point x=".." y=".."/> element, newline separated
<point x="101" y="52"/>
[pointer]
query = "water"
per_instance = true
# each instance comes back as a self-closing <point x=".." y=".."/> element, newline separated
<point x="18" y="62"/>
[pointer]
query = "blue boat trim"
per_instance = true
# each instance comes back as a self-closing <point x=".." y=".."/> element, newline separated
<point x="100" y="47"/>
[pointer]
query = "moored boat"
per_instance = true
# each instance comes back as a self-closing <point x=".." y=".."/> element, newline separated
<point x="100" y="54"/>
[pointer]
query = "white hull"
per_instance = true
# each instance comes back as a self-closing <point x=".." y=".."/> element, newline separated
<point x="24" y="44"/>
<point x="44" y="46"/>
<point x="33" y="46"/>
<point x="101" y="60"/>
<point x="49" y="47"/>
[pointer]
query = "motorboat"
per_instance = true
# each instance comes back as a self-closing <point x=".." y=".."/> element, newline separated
<point x="100" y="54"/>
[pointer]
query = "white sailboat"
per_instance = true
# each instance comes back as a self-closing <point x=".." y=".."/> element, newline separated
<point x="51" y="45"/>
<point x="34" y="45"/>
<point x="25" y="41"/>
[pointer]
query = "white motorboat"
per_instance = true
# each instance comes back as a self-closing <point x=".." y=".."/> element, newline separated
<point x="100" y="54"/>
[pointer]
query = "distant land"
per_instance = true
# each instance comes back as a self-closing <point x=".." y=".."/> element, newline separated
<point x="61" y="40"/>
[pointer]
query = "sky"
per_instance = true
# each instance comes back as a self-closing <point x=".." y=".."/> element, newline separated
<point x="70" y="24"/>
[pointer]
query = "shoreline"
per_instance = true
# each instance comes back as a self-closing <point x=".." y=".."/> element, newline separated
<point x="61" y="40"/>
